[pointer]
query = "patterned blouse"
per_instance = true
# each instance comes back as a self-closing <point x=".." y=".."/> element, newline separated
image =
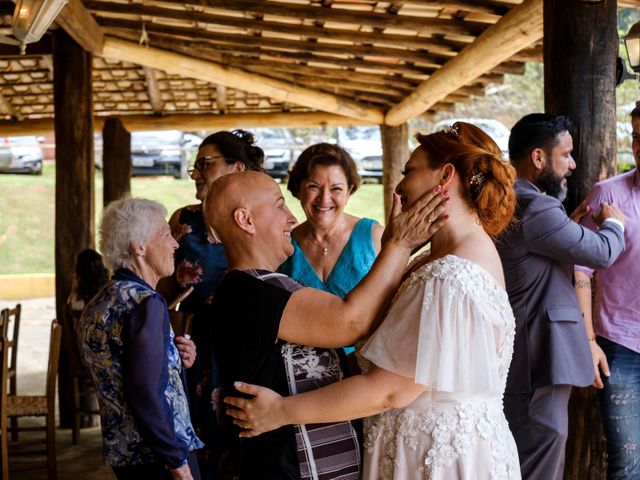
<point x="128" y="346"/>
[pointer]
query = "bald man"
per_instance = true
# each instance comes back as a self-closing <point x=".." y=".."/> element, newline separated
<point x="273" y="332"/>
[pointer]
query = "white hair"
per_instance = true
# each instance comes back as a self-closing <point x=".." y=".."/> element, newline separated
<point x="126" y="222"/>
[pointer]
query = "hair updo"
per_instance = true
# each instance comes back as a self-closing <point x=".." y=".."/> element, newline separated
<point x="237" y="146"/>
<point x="486" y="179"/>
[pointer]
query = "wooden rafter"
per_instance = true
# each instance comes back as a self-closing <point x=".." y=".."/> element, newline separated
<point x="471" y="6"/>
<point x="517" y="30"/>
<point x="413" y="41"/>
<point x="190" y="67"/>
<point x="78" y="22"/>
<point x="238" y="41"/>
<point x="136" y="123"/>
<point x="297" y="11"/>
<point x="9" y="108"/>
<point x="153" y="90"/>
<point x="221" y="98"/>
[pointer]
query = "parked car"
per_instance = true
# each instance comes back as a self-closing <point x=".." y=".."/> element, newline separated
<point x="20" y="155"/>
<point x="494" y="128"/>
<point x="364" y="144"/>
<point x="162" y="152"/>
<point x="280" y="150"/>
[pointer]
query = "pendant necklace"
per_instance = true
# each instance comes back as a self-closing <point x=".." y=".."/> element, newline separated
<point x="325" y="250"/>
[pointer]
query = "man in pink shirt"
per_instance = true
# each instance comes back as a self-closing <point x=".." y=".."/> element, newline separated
<point x="614" y="336"/>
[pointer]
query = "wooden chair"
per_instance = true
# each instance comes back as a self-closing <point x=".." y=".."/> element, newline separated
<point x="39" y="406"/>
<point x="4" y="377"/>
<point x="11" y="333"/>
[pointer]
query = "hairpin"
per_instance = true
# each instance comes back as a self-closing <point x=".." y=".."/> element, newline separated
<point x="453" y="130"/>
<point x="476" y="182"/>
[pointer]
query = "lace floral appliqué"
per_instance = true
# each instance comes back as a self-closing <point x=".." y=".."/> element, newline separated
<point x="452" y="434"/>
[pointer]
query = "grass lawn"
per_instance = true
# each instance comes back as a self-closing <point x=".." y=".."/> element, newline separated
<point x="27" y="205"/>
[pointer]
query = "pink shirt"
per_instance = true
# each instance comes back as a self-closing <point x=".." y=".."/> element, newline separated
<point x="617" y="310"/>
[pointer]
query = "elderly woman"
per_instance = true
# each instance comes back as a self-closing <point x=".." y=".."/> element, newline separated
<point x="127" y="343"/>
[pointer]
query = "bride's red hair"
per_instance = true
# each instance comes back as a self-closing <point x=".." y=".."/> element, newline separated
<point x="486" y="178"/>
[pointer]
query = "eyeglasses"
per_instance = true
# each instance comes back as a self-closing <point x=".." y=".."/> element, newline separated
<point x="202" y="163"/>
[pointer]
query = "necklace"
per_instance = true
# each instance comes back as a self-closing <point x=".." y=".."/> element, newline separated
<point x="328" y="240"/>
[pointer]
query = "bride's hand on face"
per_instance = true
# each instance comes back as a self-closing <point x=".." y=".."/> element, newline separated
<point x="415" y="226"/>
<point x="256" y="415"/>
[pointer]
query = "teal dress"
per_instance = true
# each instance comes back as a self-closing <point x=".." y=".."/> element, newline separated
<point x="352" y="265"/>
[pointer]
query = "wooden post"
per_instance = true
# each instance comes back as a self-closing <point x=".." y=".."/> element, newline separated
<point x="580" y="48"/>
<point x="395" y="153"/>
<point x="74" y="228"/>
<point x="116" y="160"/>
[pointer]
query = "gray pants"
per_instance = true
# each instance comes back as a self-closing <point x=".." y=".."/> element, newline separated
<point x="539" y="423"/>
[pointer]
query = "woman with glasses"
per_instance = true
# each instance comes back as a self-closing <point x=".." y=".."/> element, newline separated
<point x="201" y="263"/>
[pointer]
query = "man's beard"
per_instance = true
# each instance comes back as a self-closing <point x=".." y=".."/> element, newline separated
<point x="552" y="185"/>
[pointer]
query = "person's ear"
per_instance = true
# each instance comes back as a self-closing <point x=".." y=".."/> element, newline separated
<point x="448" y="172"/>
<point x="244" y="220"/>
<point x="137" y="250"/>
<point x="538" y="158"/>
<point x="239" y="167"/>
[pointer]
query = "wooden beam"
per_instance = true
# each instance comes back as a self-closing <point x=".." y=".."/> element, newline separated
<point x="298" y="12"/>
<point x="395" y="153"/>
<point x="518" y="29"/>
<point x="190" y="67"/>
<point x="137" y="123"/>
<point x="221" y="98"/>
<point x="9" y="108"/>
<point x="337" y="74"/>
<point x="472" y="6"/>
<point x="225" y="40"/>
<point x="237" y="55"/>
<point x="441" y="45"/>
<point x="116" y="160"/>
<point x="78" y="22"/>
<point x="153" y="90"/>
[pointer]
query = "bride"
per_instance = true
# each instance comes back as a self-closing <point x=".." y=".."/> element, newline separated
<point x="436" y="367"/>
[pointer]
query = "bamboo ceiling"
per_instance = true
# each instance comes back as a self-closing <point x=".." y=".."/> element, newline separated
<point x="373" y="53"/>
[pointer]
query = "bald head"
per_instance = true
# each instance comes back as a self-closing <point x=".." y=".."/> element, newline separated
<point x="231" y="192"/>
<point x="248" y="212"/>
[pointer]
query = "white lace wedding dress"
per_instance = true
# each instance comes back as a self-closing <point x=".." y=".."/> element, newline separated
<point x="450" y="327"/>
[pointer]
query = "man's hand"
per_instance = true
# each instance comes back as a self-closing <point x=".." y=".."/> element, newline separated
<point x="608" y="210"/>
<point x="599" y="360"/>
<point x="187" y="350"/>
<point x="580" y="212"/>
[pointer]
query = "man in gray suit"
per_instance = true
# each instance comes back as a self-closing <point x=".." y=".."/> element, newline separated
<point x="551" y="351"/>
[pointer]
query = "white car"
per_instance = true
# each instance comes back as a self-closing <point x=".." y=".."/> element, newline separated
<point x="20" y="155"/>
<point x="494" y="128"/>
<point x="364" y="144"/>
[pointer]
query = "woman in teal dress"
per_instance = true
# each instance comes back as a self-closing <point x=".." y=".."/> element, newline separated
<point x="332" y="249"/>
<point x="200" y="263"/>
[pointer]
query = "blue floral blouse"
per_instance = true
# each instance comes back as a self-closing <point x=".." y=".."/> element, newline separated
<point x="128" y="346"/>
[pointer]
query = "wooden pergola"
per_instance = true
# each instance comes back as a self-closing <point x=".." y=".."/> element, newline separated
<point x="127" y="65"/>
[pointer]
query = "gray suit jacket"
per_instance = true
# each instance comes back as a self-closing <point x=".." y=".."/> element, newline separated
<point x="538" y="254"/>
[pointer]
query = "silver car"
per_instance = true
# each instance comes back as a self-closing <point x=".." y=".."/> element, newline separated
<point x="20" y="155"/>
